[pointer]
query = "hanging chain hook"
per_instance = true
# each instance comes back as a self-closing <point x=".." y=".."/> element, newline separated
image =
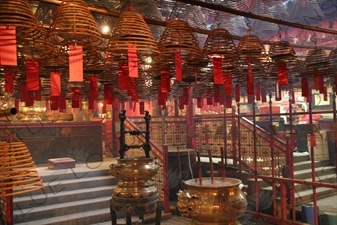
<point x="279" y="32"/>
<point x="249" y="28"/>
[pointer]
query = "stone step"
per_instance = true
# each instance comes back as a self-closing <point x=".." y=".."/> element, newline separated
<point x="321" y="171"/>
<point x="60" y="209"/>
<point x="32" y="201"/>
<point x="82" y="218"/>
<point x="307" y="165"/>
<point x="300" y="157"/>
<point x="307" y="195"/>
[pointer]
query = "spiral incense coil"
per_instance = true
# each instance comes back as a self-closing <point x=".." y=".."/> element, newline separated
<point x="178" y="37"/>
<point x="19" y="14"/>
<point x="251" y="49"/>
<point x="333" y="59"/>
<point x="131" y="30"/>
<point x="317" y="59"/>
<point x="74" y="24"/>
<point x="18" y="174"/>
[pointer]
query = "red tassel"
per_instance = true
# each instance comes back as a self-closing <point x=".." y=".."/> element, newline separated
<point x="133" y="61"/>
<point x="325" y="94"/>
<point x="93" y="87"/>
<point x="321" y="84"/>
<point x="62" y="102"/>
<point x="179" y="67"/>
<point x="75" y="63"/>
<point x="199" y="103"/>
<point x="237" y="93"/>
<point x="228" y="100"/>
<point x="55" y="83"/>
<point x="258" y="92"/>
<point x="32" y="75"/>
<point x="75" y="97"/>
<point x="9" y="80"/>
<point x="305" y="87"/>
<point x="54" y="102"/>
<point x="217" y="71"/>
<point x="316" y="79"/>
<point x="141" y="108"/>
<point x="263" y="95"/>
<point x="282" y="74"/>
<point x="250" y="80"/>
<point x="216" y="93"/>
<point x="108" y="94"/>
<point x="312" y="140"/>
<point x="8" y="54"/>
<point x="309" y="97"/>
<point x="228" y="86"/>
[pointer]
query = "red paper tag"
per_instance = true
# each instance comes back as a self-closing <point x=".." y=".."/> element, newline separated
<point x="217" y="71"/>
<point x="250" y="80"/>
<point x="62" y="103"/>
<point x="54" y="102"/>
<point x="32" y="75"/>
<point x="282" y="74"/>
<point x="257" y="92"/>
<point x="305" y="87"/>
<point x="321" y="84"/>
<point x="75" y="63"/>
<point x="9" y="80"/>
<point x="216" y="93"/>
<point x="93" y="87"/>
<point x="325" y="94"/>
<point x="141" y="108"/>
<point x="237" y="93"/>
<point x="179" y="67"/>
<point x="75" y="97"/>
<point x="209" y="101"/>
<point x="263" y="95"/>
<point x="108" y="94"/>
<point x="228" y="87"/>
<point x="123" y="78"/>
<point x="8" y="52"/>
<point x="199" y="103"/>
<point x="133" y="61"/>
<point x="251" y="99"/>
<point x="228" y="100"/>
<point x="38" y="95"/>
<point x="55" y="83"/>
<point x="316" y="78"/>
<point x="309" y="97"/>
<point x="312" y="140"/>
<point x="165" y="83"/>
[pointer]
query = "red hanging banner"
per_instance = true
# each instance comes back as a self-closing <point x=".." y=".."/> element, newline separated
<point x="216" y="93"/>
<point x="321" y="84"/>
<point x="162" y="98"/>
<point x="228" y="100"/>
<point x="8" y="52"/>
<point x="305" y="87"/>
<point x="179" y="66"/>
<point x="93" y="93"/>
<point x="62" y="102"/>
<point x="75" y="63"/>
<point x="209" y="101"/>
<point x="250" y="80"/>
<point x="108" y="94"/>
<point x="251" y="99"/>
<point x="91" y="103"/>
<point x="32" y="75"/>
<point x="9" y="80"/>
<point x="263" y="95"/>
<point x="325" y="94"/>
<point x="282" y="74"/>
<point x="309" y="97"/>
<point x="217" y="71"/>
<point x="199" y="103"/>
<point x="316" y="79"/>
<point x="165" y="84"/>
<point x="38" y="95"/>
<point x="55" y="84"/>
<point x="237" y="93"/>
<point x="75" y="97"/>
<point x="257" y="92"/>
<point x="133" y="61"/>
<point x="123" y="78"/>
<point x="54" y="102"/>
<point x="23" y="92"/>
<point x="141" y="108"/>
<point x="228" y="86"/>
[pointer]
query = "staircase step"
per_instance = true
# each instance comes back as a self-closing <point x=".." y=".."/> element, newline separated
<point x="322" y="171"/>
<point x="301" y="156"/>
<point x="307" y="165"/>
<point x="61" y="209"/>
<point x="28" y="202"/>
<point x="307" y="195"/>
<point x="89" y="217"/>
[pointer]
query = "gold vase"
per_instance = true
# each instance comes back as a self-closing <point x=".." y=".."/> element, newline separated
<point x="217" y="203"/>
<point x="135" y="190"/>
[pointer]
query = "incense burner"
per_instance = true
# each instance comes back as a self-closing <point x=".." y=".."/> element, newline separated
<point x="214" y="203"/>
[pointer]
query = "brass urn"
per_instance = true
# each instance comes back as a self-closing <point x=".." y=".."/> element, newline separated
<point x="136" y="186"/>
<point x="213" y="203"/>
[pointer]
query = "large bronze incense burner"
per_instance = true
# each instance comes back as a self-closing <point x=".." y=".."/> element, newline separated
<point x="135" y="191"/>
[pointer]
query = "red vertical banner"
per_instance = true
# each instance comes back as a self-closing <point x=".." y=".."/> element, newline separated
<point x="209" y="101"/>
<point x="108" y="94"/>
<point x="9" y="80"/>
<point x="123" y="77"/>
<point x="38" y="95"/>
<point x="141" y="108"/>
<point x="216" y="93"/>
<point x="93" y="93"/>
<point x="217" y="71"/>
<point x="179" y="66"/>
<point x="132" y="61"/>
<point x="62" y="102"/>
<point x="8" y="52"/>
<point x="251" y="99"/>
<point x="228" y="86"/>
<point x="325" y="94"/>
<point x="250" y="80"/>
<point x="104" y="108"/>
<point x="75" y="63"/>
<point x="258" y="92"/>
<point x="316" y="78"/>
<point x="162" y="98"/>
<point x="91" y="103"/>
<point x="228" y="101"/>
<point x="282" y="74"/>
<point x="199" y="103"/>
<point x="309" y="97"/>
<point x="47" y="103"/>
<point x="55" y="84"/>
<point x="237" y="93"/>
<point x="23" y="92"/>
<point x="321" y="84"/>
<point x="165" y="82"/>
<point x="263" y="95"/>
<point x="32" y="75"/>
<point x="75" y="97"/>
<point x="305" y="87"/>
<point x="54" y="102"/>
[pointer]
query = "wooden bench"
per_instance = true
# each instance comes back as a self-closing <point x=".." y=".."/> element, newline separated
<point x="61" y="163"/>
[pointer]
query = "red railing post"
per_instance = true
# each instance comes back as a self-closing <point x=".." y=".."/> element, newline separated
<point x="166" y="202"/>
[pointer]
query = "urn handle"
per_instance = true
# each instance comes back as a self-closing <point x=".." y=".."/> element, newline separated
<point x="189" y="205"/>
<point x="116" y="170"/>
<point x="243" y="188"/>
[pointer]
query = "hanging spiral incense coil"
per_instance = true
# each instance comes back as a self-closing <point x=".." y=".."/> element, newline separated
<point x="333" y="59"/>
<point x="18" y="172"/>
<point x="19" y="14"/>
<point x="317" y="59"/>
<point x="131" y="30"/>
<point x="251" y="48"/>
<point x="74" y="24"/>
